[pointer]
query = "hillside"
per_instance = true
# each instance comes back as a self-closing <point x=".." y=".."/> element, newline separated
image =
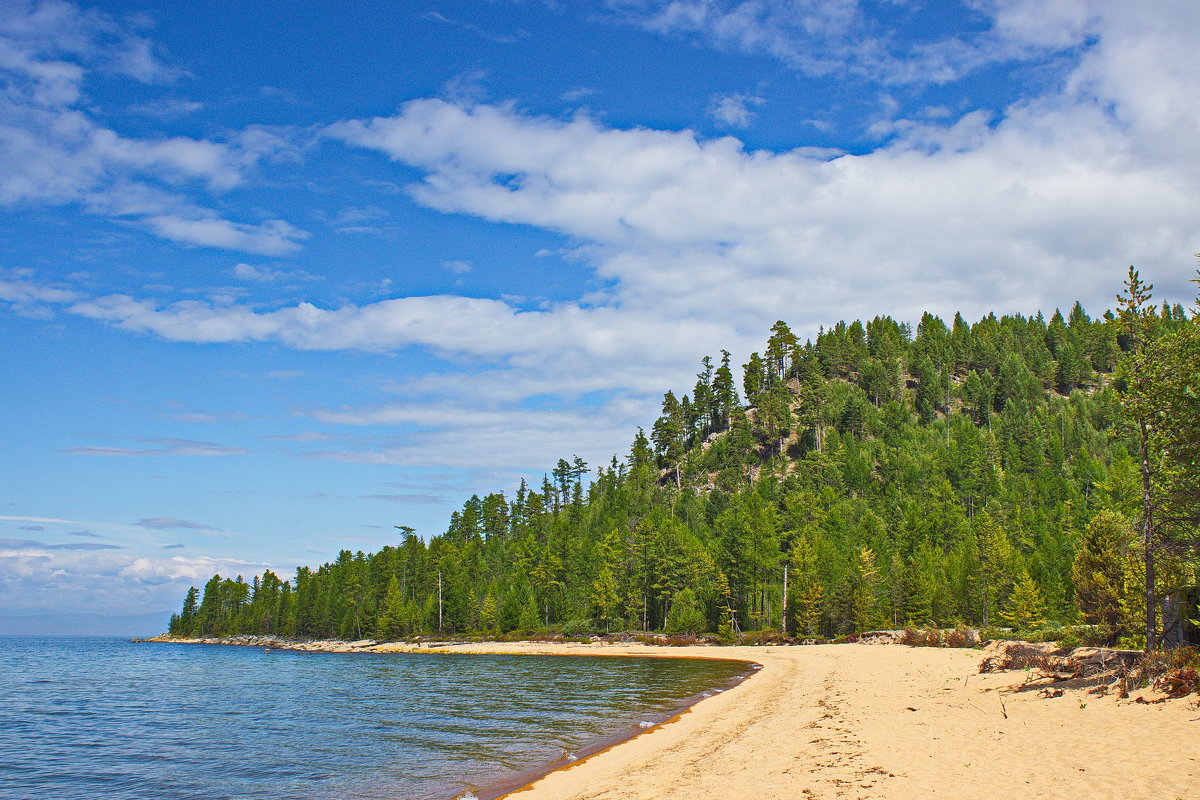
<point x="957" y="473"/>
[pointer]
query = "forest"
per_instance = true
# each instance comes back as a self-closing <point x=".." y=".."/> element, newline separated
<point x="1017" y="472"/>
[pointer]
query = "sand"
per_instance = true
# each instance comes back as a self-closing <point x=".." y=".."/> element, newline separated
<point x="884" y="721"/>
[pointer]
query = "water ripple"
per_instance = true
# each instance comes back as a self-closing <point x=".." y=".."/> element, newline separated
<point x="100" y="717"/>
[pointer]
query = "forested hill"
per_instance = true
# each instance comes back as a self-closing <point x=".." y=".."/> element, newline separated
<point x="955" y="473"/>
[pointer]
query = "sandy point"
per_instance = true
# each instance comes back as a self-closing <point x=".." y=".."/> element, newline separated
<point x="880" y="721"/>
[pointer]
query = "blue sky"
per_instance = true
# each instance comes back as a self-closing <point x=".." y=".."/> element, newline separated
<point x="275" y="277"/>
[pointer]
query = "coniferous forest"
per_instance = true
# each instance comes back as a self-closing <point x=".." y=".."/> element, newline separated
<point x="1019" y="471"/>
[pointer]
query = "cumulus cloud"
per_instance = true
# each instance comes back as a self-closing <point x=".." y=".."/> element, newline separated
<point x="1017" y="208"/>
<point x="54" y="151"/>
<point x="700" y="243"/>
<point x="105" y="582"/>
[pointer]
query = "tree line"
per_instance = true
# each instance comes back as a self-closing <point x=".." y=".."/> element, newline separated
<point x="1017" y="471"/>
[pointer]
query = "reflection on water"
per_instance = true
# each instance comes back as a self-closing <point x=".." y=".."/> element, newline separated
<point x="100" y="717"/>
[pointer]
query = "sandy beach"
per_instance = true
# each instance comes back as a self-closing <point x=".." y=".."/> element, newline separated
<point x="884" y="721"/>
<point x="873" y="721"/>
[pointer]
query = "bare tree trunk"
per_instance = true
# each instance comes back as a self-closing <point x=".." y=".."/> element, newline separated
<point x="439" y="601"/>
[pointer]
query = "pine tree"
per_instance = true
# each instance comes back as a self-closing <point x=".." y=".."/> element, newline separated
<point x="1137" y="320"/>
<point x="724" y="394"/>
<point x="184" y="624"/>
<point x="956" y="509"/>
<point x="864" y="598"/>
<point x="1025" y="608"/>
<point x="685" y="615"/>
<point x="605" y="599"/>
<point x="529" y="620"/>
<point x="727" y="625"/>
<point x="488" y="613"/>
<point x="390" y="624"/>
<point x="668" y="434"/>
<point x="1100" y="573"/>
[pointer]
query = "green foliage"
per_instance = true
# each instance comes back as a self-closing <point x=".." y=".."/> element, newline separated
<point x="1103" y="574"/>
<point x="529" y="620"/>
<point x="969" y="474"/>
<point x="1025" y="607"/>
<point x="685" y="615"/>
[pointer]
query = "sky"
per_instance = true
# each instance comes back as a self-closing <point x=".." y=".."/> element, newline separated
<point x="276" y="277"/>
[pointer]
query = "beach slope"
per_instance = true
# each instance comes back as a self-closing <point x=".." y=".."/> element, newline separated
<point x="877" y="721"/>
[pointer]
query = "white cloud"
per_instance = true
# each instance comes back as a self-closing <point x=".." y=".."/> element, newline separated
<point x="31" y="299"/>
<point x="53" y="151"/>
<point x="270" y="238"/>
<point x="734" y="110"/>
<point x="106" y="582"/>
<point x="502" y="439"/>
<point x="843" y="37"/>
<point x="253" y="274"/>
<point x="702" y="243"/>
<point x="1052" y="191"/>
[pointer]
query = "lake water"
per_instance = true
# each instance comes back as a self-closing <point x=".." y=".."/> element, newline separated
<point x="95" y="717"/>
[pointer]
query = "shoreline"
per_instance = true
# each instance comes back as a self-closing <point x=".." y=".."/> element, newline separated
<point x="526" y="778"/>
<point x="866" y="721"/>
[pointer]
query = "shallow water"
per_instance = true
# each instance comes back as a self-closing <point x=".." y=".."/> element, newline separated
<point x="84" y="717"/>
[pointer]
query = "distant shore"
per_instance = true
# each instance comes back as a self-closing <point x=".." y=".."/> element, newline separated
<point x="871" y="721"/>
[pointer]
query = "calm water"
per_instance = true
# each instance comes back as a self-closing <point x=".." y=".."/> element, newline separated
<point x="84" y="717"/>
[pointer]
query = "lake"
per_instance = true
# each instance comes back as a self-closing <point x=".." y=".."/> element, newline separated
<point x="100" y="717"/>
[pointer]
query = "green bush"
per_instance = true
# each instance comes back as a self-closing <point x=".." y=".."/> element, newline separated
<point x="581" y="627"/>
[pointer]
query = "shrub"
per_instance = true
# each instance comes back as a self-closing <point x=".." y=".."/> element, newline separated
<point x="765" y="636"/>
<point x="580" y="627"/>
